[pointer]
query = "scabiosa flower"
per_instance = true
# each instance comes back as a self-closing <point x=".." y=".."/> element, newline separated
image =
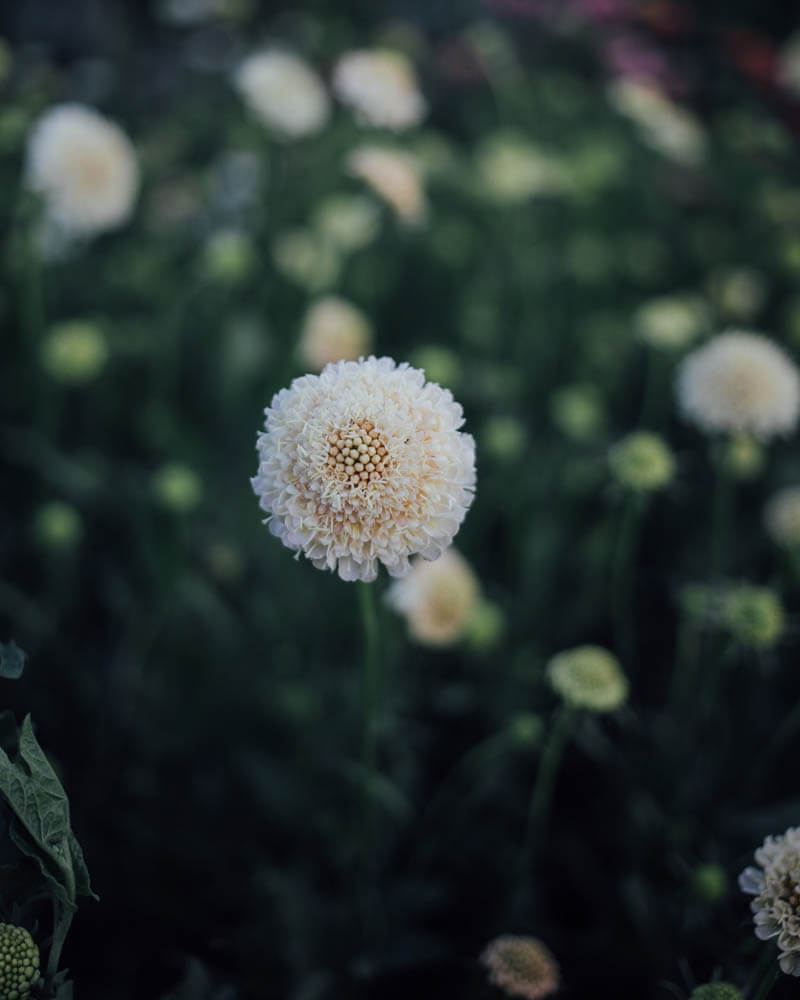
<point x="438" y="599"/>
<point x="19" y="962"/>
<point x="521" y="967"/>
<point x="84" y="167"/>
<point x="775" y="884"/>
<point x="642" y="462"/>
<point x="754" y="616"/>
<point x="740" y="381"/>
<point x="284" y="93"/>
<point x="394" y="176"/>
<point x="588" y="677"/>
<point x="365" y="464"/>
<point x="782" y="517"/>
<point x="381" y="87"/>
<point x="334" y="330"/>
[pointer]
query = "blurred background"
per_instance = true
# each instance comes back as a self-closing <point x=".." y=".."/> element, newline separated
<point x="584" y="173"/>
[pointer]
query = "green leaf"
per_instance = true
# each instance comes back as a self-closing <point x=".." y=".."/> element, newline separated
<point x="41" y="826"/>
<point x="12" y="661"/>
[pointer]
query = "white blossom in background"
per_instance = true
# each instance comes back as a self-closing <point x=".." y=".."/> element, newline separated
<point x="438" y="599"/>
<point x="663" y="125"/>
<point x="365" y="464"/>
<point x="85" y="169"/>
<point x="740" y="381"/>
<point x="788" y="70"/>
<point x="334" y="330"/>
<point x="393" y="175"/>
<point x="511" y="169"/>
<point x="671" y="322"/>
<point x="775" y="886"/>
<point x="782" y="517"/>
<point x="381" y="88"/>
<point x="521" y="967"/>
<point x="284" y="93"/>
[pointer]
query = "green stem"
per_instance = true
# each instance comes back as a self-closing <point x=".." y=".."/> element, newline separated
<point x="369" y="683"/>
<point x="542" y="794"/>
<point x="764" y="975"/>
<point x="650" y="415"/>
<point x="62" y="919"/>
<point x="779" y="741"/>
<point x="622" y="577"/>
<point x="721" y="514"/>
<point x="687" y="647"/>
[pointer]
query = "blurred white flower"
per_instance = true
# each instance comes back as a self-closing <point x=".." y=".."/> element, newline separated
<point x="775" y="884"/>
<point x="511" y="169"/>
<point x="334" y="330"/>
<point x="788" y="70"/>
<point x="740" y="381"/>
<point x="782" y="517"/>
<point x="283" y="92"/>
<point x="663" y="125"/>
<point x="671" y="322"/>
<point x="381" y="87"/>
<point x="84" y="167"/>
<point x="438" y="599"/>
<point x="521" y="967"/>
<point x="394" y="176"/>
<point x="365" y="464"/>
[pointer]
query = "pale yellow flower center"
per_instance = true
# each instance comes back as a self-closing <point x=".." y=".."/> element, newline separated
<point x="358" y="454"/>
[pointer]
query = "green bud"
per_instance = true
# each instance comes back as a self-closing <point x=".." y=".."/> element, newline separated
<point x="642" y="462"/>
<point x="229" y="256"/>
<point x="74" y="352"/>
<point x="577" y="411"/>
<point x="177" y="487"/>
<point x="19" y="962"/>
<point x="503" y="438"/>
<point x="743" y="456"/>
<point x="716" y="991"/>
<point x="58" y="525"/>
<point x="526" y="729"/>
<point x="349" y="222"/>
<point x="440" y="364"/>
<point x="710" y="883"/>
<point x="753" y="615"/>
<point x="486" y="626"/>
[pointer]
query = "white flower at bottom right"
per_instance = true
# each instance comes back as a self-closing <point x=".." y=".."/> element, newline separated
<point x="775" y="884"/>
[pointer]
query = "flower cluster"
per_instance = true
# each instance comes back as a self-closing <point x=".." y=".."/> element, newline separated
<point x="775" y="886"/>
<point x="19" y="962"/>
<point x="588" y="677"/>
<point x="521" y="967"/>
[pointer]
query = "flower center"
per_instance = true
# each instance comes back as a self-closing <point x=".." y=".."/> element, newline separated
<point x="357" y="454"/>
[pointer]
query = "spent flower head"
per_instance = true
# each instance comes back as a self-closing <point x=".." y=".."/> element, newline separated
<point x="521" y="967"/>
<point x="381" y="87"/>
<point x="740" y="381"/>
<point x="284" y="93"/>
<point x="782" y="517"/>
<point x="642" y="462"/>
<point x="588" y="677"/>
<point x="365" y="464"/>
<point x="19" y="962"/>
<point x="775" y="886"/>
<point x="85" y="169"/>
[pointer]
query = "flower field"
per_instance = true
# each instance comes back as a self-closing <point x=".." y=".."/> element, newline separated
<point x="400" y="500"/>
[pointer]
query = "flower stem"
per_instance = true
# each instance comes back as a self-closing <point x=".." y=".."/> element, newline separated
<point x="62" y="918"/>
<point x="764" y="975"/>
<point x="622" y="580"/>
<point x="369" y="686"/>
<point x="721" y="514"/>
<point x="650" y="415"/>
<point x="542" y="794"/>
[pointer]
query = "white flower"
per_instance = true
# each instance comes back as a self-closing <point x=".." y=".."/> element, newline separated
<point x="364" y="464"/>
<point x="588" y="677"/>
<point x="438" y="599"/>
<point x="740" y="381"/>
<point x="663" y="125"/>
<point x="84" y="167"/>
<point x="521" y="967"/>
<point x="788" y="71"/>
<point x="782" y="517"/>
<point x="511" y="169"/>
<point x="381" y="87"/>
<point x="775" y="883"/>
<point x="394" y="176"/>
<point x="283" y="92"/>
<point x="334" y="330"/>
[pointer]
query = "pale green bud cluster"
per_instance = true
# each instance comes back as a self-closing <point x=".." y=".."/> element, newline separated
<point x="177" y="487"/>
<point x="642" y="462"/>
<point x="440" y="364"/>
<point x="743" y="456"/>
<point x="74" y="352"/>
<point x="486" y="626"/>
<point x="19" y="962"/>
<point x="588" y="677"/>
<point x="349" y="222"/>
<point x="716" y="991"/>
<point x="229" y="256"/>
<point x="710" y="883"/>
<point x="753" y="615"/>
<point x="671" y="323"/>
<point x="526" y="729"/>
<point x="504" y="438"/>
<point x="577" y="411"/>
<point x="58" y="525"/>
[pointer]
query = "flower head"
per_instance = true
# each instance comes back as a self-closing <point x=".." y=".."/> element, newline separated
<point x="394" y="176"/>
<point x="84" y="167"/>
<point x="740" y="381"/>
<point x="642" y="462"/>
<point x="19" y="962"/>
<point x="671" y="322"/>
<point x="753" y="615"/>
<point x="381" y="87"/>
<point x="716" y="991"/>
<point x="177" y="487"/>
<point x="782" y="517"/>
<point x="588" y="677"/>
<point x="334" y="330"/>
<point x="284" y="93"/>
<point x="521" y="967"/>
<point x="365" y="464"/>
<point x="775" y="884"/>
<point x="437" y="598"/>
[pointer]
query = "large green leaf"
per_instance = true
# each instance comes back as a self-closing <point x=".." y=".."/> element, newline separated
<point x="41" y="826"/>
